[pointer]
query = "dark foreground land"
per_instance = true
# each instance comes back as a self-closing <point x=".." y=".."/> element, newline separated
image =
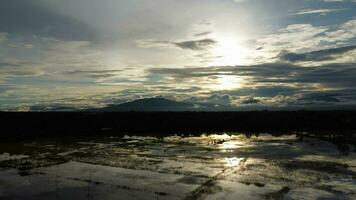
<point x="330" y="123"/>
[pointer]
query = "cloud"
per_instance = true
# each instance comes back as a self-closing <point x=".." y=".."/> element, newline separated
<point x="213" y="98"/>
<point x="77" y="55"/>
<point x="272" y="85"/>
<point x="294" y="98"/>
<point x="343" y="33"/>
<point x="272" y="70"/>
<point x="55" y="45"/>
<point x="18" y="17"/>
<point x="9" y="63"/>
<point x="350" y="26"/>
<point x="202" y="34"/>
<point x="54" y="61"/>
<point x="94" y="73"/>
<point x="49" y="95"/>
<point x="317" y="11"/>
<point x="333" y="0"/>
<point x="320" y="55"/>
<point x="292" y="38"/>
<point x="266" y="91"/>
<point x="321" y="97"/>
<point x="3" y="37"/>
<point x="326" y="76"/>
<point x="196" y="44"/>
<point x="18" y="68"/>
<point x="299" y="38"/>
<point x="189" y="44"/>
<point x="250" y="100"/>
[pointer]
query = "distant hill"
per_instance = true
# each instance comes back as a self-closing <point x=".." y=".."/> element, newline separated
<point x="149" y="104"/>
<point x="140" y="105"/>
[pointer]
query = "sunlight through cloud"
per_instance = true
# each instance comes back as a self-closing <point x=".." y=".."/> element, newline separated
<point x="227" y="82"/>
<point x="229" y="51"/>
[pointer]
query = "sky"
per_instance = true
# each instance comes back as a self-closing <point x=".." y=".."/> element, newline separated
<point x="244" y="54"/>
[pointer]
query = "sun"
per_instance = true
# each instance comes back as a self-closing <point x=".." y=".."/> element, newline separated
<point x="229" y="51"/>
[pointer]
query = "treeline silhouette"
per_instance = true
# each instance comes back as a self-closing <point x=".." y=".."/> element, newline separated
<point x="331" y="124"/>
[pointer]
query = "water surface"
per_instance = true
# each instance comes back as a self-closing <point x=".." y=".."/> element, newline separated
<point x="205" y="167"/>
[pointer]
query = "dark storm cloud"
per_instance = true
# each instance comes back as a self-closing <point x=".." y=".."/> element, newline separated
<point x="196" y="44"/>
<point x="23" y="17"/>
<point x="321" y="55"/>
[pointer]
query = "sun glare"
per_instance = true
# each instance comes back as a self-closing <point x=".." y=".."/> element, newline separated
<point x="229" y="51"/>
<point x="227" y="82"/>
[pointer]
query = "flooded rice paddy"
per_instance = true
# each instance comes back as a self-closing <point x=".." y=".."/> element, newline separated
<point x="205" y="167"/>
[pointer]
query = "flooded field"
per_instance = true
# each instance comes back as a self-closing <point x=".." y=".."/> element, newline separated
<point x="205" y="167"/>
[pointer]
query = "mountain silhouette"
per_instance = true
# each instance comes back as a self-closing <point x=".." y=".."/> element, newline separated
<point x="149" y="104"/>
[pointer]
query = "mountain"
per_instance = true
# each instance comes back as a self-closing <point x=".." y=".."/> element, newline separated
<point x="149" y="104"/>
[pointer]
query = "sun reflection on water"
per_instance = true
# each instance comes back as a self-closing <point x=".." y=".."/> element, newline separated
<point x="232" y="162"/>
<point x="230" y="145"/>
<point x="220" y="137"/>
